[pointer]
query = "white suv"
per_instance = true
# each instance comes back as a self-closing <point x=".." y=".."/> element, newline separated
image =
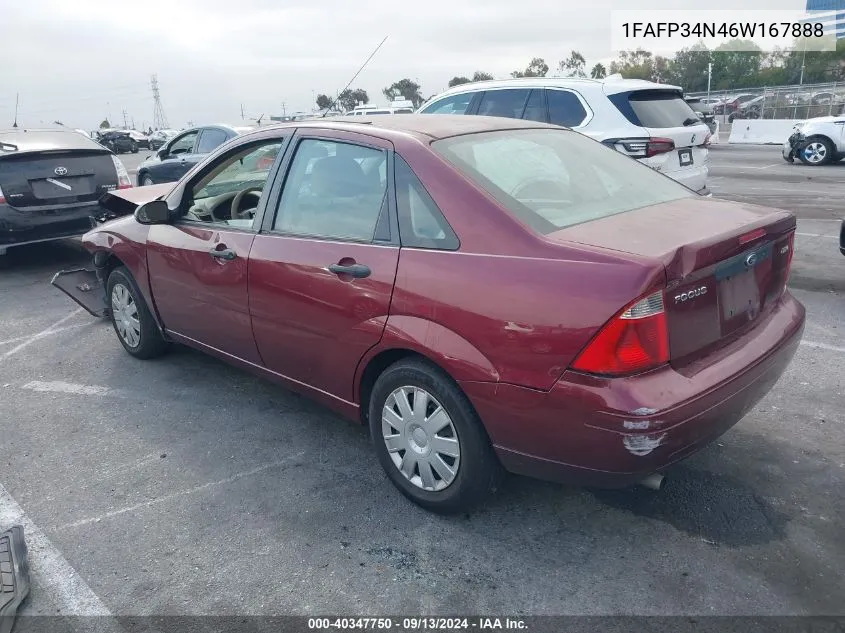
<point x="647" y="121"/>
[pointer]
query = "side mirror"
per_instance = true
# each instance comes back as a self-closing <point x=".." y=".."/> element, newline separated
<point x="153" y="212"/>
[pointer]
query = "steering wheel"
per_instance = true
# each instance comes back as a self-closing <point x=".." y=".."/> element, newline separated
<point x="254" y="191"/>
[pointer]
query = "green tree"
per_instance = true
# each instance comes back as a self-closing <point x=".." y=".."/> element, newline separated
<point x="598" y="72"/>
<point x="736" y="68"/>
<point x="480" y="75"/>
<point x="405" y="88"/>
<point x="104" y="124"/>
<point x="348" y="99"/>
<point x="457" y="81"/>
<point x="641" y="64"/>
<point x="324" y="102"/>
<point x="537" y="67"/>
<point x="573" y="66"/>
<point x="689" y="68"/>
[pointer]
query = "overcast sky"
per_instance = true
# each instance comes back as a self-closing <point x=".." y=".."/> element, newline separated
<point x="80" y="61"/>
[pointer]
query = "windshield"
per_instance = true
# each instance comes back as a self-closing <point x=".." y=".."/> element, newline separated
<point x="550" y="179"/>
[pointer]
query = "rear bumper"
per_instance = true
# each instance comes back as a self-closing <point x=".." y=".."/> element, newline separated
<point x="23" y="226"/>
<point x="614" y="432"/>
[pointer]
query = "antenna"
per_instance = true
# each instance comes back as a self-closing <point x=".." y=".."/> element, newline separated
<point x="17" y="97"/>
<point x="332" y="104"/>
<point x="159" y="118"/>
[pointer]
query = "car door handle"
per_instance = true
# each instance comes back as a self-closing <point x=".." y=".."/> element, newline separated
<point x="359" y="271"/>
<point x="225" y="253"/>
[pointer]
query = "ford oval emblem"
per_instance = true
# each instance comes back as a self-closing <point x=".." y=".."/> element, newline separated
<point x="751" y="260"/>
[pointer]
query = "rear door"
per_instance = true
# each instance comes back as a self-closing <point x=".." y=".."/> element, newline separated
<point x="321" y="272"/>
<point x="33" y="180"/>
<point x="508" y="102"/>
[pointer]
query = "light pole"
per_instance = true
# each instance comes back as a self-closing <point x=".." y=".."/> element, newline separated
<point x="709" y="77"/>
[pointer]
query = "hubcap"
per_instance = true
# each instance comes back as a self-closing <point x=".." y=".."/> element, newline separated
<point x="125" y="314"/>
<point x="147" y="181"/>
<point x="815" y="152"/>
<point x="421" y="439"/>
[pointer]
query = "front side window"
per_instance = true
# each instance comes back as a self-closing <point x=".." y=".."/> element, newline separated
<point x="456" y="104"/>
<point x="228" y="194"/>
<point x="551" y="178"/>
<point x="210" y="140"/>
<point x="333" y="190"/>
<point x="183" y="144"/>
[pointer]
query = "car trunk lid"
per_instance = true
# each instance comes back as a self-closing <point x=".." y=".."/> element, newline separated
<point x="59" y="177"/>
<point x="725" y="263"/>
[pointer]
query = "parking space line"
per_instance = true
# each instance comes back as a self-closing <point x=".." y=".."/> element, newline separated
<point x="830" y="237"/>
<point x="53" y="574"/>
<point x="831" y="348"/>
<point x="45" y="332"/>
<point x="765" y="166"/>
<point x="182" y="493"/>
<point x="58" y="386"/>
<point x="57" y="330"/>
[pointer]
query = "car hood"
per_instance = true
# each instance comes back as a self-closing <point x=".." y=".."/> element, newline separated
<point x="125" y="201"/>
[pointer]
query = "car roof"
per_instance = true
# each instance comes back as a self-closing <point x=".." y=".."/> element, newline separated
<point x="607" y="86"/>
<point x="39" y="140"/>
<point x="432" y="126"/>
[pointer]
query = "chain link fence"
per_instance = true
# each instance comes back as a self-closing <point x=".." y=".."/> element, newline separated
<point x="777" y="102"/>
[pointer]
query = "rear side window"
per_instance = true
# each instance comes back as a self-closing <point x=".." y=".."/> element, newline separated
<point x="456" y="104"/>
<point x="210" y="139"/>
<point x="535" y="109"/>
<point x="505" y="103"/>
<point x="565" y="108"/>
<point x="654" y="108"/>
<point x="421" y="224"/>
<point x="551" y="178"/>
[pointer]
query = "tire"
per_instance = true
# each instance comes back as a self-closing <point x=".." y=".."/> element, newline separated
<point x="134" y="148"/>
<point x="816" y="151"/>
<point x="145" y="180"/>
<point x="470" y="473"/>
<point x="146" y="340"/>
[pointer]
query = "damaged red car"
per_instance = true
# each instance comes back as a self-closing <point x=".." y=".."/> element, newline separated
<point x="486" y="294"/>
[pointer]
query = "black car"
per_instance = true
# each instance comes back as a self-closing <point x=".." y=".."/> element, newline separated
<point x="119" y="142"/>
<point x="183" y="151"/>
<point x="50" y="184"/>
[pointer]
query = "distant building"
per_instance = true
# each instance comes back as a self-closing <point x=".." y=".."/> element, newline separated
<point x="835" y="21"/>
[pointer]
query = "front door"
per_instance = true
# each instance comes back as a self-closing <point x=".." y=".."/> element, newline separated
<point x="321" y="273"/>
<point x="198" y="264"/>
<point x="180" y="158"/>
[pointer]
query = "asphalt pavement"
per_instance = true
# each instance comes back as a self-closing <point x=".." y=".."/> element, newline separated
<point x="184" y="486"/>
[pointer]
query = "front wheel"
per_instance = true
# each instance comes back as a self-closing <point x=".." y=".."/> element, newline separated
<point x="134" y="325"/>
<point x="816" y="151"/>
<point x="429" y="440"/>
<point x="146" y="180"/>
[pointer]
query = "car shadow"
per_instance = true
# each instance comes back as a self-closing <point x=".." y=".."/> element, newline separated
<point x="46" y="257"/>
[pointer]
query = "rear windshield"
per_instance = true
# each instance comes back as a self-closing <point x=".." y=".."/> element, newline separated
<point x="550" y="179"/>
<point x="655" y="108"/>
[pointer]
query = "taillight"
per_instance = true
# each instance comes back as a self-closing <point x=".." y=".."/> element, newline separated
<point x="707" y="140"/>
<point x="2" y="197"/>
<point x="123" y="179"/>
<point x="644" y="147"/>
<point x="635" y="340"/>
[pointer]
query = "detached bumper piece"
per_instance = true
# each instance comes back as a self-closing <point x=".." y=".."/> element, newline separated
<point x="84" y="286"/>
<point x="14" y="576"/>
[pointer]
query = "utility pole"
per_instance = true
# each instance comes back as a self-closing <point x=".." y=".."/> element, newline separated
<point x="159" y="118"/>
<point x="284" y="112"/>
<point x="242" y="112"/>
<point x="709" y="77"/>
<point x="125" y="124"/>
<point x="17" y="97"/>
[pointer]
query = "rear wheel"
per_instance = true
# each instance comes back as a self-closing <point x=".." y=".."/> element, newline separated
<point x="429" y="440"/>
<point x="816" y="151"/>
<point x="134" y="325"/>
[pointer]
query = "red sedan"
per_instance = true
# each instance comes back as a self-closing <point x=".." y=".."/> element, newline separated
<point x="484" y="293"/>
